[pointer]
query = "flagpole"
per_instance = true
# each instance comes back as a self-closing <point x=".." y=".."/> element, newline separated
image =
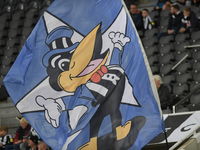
<point x="166" y="140"/>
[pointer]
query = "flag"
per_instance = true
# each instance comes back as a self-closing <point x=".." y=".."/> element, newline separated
<point x="82" y="79"/>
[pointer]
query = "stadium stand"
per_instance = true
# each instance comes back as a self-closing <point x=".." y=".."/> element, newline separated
<point x="18" y="18"/>
<point x="165" y="53"/>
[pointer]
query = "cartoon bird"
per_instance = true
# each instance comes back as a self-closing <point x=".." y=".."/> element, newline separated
<point x="82" y="63"/>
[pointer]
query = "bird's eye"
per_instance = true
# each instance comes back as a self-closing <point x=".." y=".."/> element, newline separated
<point x="63" y="64"/>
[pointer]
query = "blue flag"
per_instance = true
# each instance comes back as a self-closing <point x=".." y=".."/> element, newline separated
<point x="82" y="79"/>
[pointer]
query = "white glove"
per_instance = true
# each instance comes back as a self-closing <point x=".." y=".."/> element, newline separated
<point x="53" y="109"/>
<point x="119" y="39"/>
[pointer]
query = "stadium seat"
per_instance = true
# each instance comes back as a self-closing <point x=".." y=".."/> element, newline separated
<point x="154" y="69"/>
<point x="151" y="50"/>
<point x="168" y="79"/>
<point x="29" y="22"/>
<point x="196" y="66"/>
<point x="43" y="8"/>
<point x="10" y="51"/>
<point x="16" y="24"/>
<point x="164" y="21"/>
<point x="166" y="69"/>
<point x="164" y="13"/>
<point x="19" y="48"/>
<point x="194" y="84"/>
<point x="195" y="42"/>
<point x="195" y="9"/>
<point x="151" y="33"/>
<point x="193" y="107"/>
<point x="183" y="77"/>
<point x="23" y="40"/>
<point x="2" y="43"/>
<point x="166" y="111"/>
<point x="153" y="60"/>
<point x="11" y="42"/>
<point x="166" y="58"/>
<point x="4" y="70"/>
<point x="148" y="42"/>
<point x="180" y="55"/>
<point x="1" y="52"/>
<point x="165" y="48"/>
<point x="162" y="29"/>
<point x="180" y="88"/>
<point x="3" y="24"/>
<point x="180" y="109"/>
<point x="195" y="98"/>
<point x="154" y="14"/>
<point x="13" y="33"/>
<point x="166" y="39"/>
<point x="183" y="67"/>
<point x="3" y="33"/>
<point x="26" y="31"/>
<point x="33" y="9"/>
<point x="6" y="12"/>
<point x="182" y="37"/>
<point x="195" y="35"/>
<point x="179" y="46"/>
<point x="195" y="49"/>
<point x="46" y="2"/>
<point x="7" y="60"/>
<point x="196" y="76"/>
<point x="19" y="11"/>
<point x="196" y="54"/>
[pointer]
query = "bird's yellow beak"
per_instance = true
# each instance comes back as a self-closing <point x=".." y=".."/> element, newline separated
<point x="69" y="80"/>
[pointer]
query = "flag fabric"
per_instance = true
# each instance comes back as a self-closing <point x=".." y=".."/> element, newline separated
<point x="82" y="79"/>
